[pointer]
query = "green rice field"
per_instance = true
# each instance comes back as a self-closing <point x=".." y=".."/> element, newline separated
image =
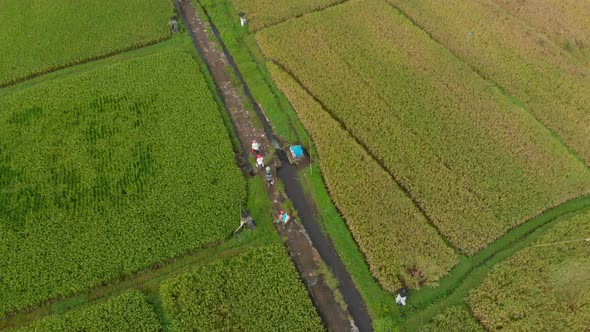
<point x="41" y="36"/>
<point x="102" y="173"/>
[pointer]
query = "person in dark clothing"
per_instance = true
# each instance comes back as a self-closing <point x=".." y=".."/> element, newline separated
<point x="269" y="178"/>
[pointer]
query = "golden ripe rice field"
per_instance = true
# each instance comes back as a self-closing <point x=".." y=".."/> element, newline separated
<point x="381" y="217"/>
<point x="264" y="13"/>
<point x="565" y="22"/>
<point x="475" y="162"/>
<point x="549" y="83"/>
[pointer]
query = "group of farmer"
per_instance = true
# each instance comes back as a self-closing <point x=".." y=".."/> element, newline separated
<point x="260" y="162"/>
<point x="256" y="151"/>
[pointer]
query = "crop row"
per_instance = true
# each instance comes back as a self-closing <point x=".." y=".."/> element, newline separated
<point x="129" y="311"/>
<point x="548" y="82"/>
<point x="382" y="219"/>
<point x="473" y="161"/>
<point x="255" y="291"/>
<point x="110" y="171"/>
<point x="547" y="284"/>
<point x="263" y="13"/>
<point x="39" y="36"/>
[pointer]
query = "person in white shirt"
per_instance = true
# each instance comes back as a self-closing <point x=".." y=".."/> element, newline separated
<point x="402" y="296"/>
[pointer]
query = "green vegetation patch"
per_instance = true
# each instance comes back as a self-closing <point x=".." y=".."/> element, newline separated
<point x="39" y="36"/>
<point x="129" y="311"/>
<point x="542" y="285"/>
<point x="256" y="291"/>
<point x="110" y="171"/>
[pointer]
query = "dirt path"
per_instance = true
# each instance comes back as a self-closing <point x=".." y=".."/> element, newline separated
<point x="304" y="255"/>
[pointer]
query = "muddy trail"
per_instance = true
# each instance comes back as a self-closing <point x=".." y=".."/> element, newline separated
<point x="306" y="243"/>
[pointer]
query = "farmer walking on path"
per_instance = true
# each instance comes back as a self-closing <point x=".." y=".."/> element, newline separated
<point x="268" y="176"/>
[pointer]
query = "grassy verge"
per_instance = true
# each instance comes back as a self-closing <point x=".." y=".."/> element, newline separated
<point x="154" y="299"/>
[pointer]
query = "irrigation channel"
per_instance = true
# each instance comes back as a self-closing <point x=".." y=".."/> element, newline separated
<point x="305" y="240"/>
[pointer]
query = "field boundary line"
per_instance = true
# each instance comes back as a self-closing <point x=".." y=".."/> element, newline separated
<point x="340" y="2"/>
<point x="469" y="273"/>
<point x="512" y="99"/>
<point x="84" y="61"/>
<point x="404" y="189"/>
<point x="135" y="280"/>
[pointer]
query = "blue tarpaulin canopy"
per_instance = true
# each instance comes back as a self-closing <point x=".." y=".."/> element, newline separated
<point x="296" y="151"/>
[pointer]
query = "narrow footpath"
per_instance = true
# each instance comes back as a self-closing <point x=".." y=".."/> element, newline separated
<point x="306" y="244"/>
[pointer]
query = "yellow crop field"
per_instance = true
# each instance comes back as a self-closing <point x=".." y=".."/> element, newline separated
<point x="549" y="83"/>
<point x="263" y="13"/>
<point x="566" y="22"/>
<point x="547" y="284"/>
<point x="382" y="219"/>
<point x="475" y="162"/>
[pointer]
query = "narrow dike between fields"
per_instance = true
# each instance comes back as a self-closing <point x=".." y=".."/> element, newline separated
<point x="307" y="245"/>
